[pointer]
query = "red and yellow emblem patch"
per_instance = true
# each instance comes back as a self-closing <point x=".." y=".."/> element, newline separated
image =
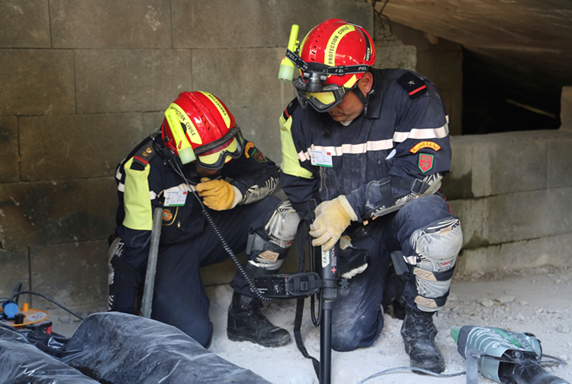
<point x="251" y="151"/>
<point x="425" y="144"/>
<point x="425" y="162"/>
<point x="167" y="215"/>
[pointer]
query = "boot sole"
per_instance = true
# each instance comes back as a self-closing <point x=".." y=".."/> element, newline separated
<point x="279" y="343"/>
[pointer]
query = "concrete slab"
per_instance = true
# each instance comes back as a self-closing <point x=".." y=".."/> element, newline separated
<point x="36" y="214"/>
<point x="560" y="162"/>
<point x="79" y="146"/>
<point x="77" y="260"/>
<point x="554" y="250"/>
<point x="15" y="268"/>
<point x="10" y="170"/>
<point x="221" y="24"/>
<point x="34" y="14"/>
<point x="111" y="24"/>
<point x="130" y="80"/>
<point x="240" y="67"/>
<point x="50" y="93"/>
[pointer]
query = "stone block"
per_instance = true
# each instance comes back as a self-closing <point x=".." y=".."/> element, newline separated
<point x="560" y="161"/>
<point x="36" y="214"/>
<point x="70" y="274"/>
<point x="9" y="158"/>
<point x="554" y="250"/>
<point x="474" y="221"/>
<point x="15" y="268"/>
<point x="36" y="82"/>
<point x="224" y="24"/>
<point x="458" y="184"/>
<point x="76" y="146"/>
<point x="240" y="78"/>
<point x="130" y="80"/>
<point x="566" y="108"/>
<point x="152" y="120"/>
<point x="34" y="15"/>
<point x="401" y="56"/>
<point x="309" y="14"/>
<point x="111" y="24"/>
<point x="101" y="193"/>
<point x="260" y="125"/>
<point x="509" y="163"/>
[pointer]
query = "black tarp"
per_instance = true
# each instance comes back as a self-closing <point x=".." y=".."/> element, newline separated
<point x="117" y="348"/>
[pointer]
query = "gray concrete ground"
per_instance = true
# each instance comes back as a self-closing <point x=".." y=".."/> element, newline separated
<point x="533" y="300"/>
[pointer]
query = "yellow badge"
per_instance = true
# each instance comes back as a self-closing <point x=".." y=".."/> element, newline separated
<point x="425" y="144"/>
<point x="247" y="147"/>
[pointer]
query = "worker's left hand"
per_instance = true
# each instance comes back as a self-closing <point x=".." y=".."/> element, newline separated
<point x="332" y="218"/>
<point x="218" y="194"/>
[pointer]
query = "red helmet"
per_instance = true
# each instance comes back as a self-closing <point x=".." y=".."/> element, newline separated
<point x="199" y="127"/>
<point x="332" y="58"/>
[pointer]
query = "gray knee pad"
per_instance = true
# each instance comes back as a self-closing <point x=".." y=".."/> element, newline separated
<point x="281" y="231"/>
<point x="436" y="246"/>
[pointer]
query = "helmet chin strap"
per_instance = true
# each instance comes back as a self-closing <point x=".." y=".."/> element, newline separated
<point x="363" y="99"/>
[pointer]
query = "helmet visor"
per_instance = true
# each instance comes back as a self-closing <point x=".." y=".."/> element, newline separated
<point x="216" y="154"/>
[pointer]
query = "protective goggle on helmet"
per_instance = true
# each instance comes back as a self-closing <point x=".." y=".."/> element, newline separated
<point x="199" y="127"/>
<point x="332" y="58"/>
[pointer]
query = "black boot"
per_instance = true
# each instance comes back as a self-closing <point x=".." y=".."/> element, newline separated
<point x="247" y="323"/>
<point x="418" y="332"/>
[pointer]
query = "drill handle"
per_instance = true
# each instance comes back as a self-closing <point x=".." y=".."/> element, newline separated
<point x="532" y="372"/>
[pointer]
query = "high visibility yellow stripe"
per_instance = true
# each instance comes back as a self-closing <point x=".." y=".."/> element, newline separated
<point x="220" y="108"/>
<point x="138" y="211"/>
<point x="333" y="43"/>
<point x="290" y="164"/>
<point x="173" y="112"/>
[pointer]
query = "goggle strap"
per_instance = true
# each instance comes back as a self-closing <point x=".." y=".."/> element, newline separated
<point x="341" y="70"/>
<point x="297" y="60"/>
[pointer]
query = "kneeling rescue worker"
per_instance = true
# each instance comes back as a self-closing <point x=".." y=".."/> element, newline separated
<point x="199" y="148"/>
<point x="371" y="151"/>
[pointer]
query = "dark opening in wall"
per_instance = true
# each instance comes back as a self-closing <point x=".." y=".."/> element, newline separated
<point x="501" y="98"/>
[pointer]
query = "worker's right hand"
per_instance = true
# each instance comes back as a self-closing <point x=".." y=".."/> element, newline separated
<point x="332" y="218"/>
<point x="218" y="194"/>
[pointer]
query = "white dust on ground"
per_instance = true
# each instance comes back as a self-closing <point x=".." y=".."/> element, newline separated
<point x="537" y="301"/>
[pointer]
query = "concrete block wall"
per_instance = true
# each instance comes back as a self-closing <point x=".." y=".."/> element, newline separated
<point x="82" y="82"/>
<point x="512" y="191"/>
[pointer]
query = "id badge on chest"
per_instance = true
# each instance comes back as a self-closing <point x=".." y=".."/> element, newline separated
<point x="321" y="158"/>
<point x="175" y="198"/>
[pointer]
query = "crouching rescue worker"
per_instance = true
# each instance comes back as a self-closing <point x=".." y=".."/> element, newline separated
<point x="197" y="161"/>
<point x="364" y="151"/>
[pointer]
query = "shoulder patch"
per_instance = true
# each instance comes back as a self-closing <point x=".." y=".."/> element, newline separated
<point x="425" y="144"/>
<point x="251" y="151"/>
<point x="290" y="109"/>
<point x="425" y="162"/>
<point x="143" y="157"/>
<point x="413" y="85"/>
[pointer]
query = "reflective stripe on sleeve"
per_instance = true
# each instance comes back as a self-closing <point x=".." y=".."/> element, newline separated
<point x="290" y="164"/>
<point x="138" y="210"/>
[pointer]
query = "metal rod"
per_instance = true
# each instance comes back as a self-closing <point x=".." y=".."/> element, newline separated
<point x="147" y="300"/>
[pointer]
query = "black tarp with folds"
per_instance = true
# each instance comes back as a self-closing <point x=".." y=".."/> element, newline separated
<point x="115" y="348"/>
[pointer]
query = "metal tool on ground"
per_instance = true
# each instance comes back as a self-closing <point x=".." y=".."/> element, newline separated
<point x="502" y="356"/>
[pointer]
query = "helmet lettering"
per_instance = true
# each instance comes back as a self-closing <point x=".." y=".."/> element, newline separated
<point x="332" y="46"/>
<point x="220" y="108"/>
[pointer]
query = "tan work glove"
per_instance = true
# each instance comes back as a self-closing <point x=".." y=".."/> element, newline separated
<point x="332" y="218"/>
<point x="218" y="194"/>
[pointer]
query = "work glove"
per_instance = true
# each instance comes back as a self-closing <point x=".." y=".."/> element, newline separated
<point x="353" y="261"/>
<point x="218" y="194"/>
<point x="332" y="218"/>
